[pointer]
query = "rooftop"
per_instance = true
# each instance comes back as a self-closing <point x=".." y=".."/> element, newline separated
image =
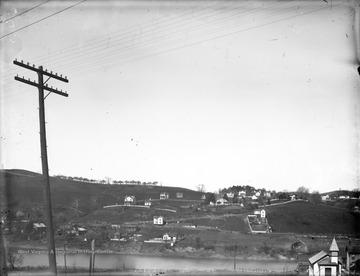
<point x="334" y="246"/>
<point x="317" y="257"/>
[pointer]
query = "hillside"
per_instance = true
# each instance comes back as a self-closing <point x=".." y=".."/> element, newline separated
<point x="304" y="217"/>
<point x="24" y="186"/>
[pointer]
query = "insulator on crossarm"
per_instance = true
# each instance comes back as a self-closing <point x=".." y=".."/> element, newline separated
<point x="15" y="59"/>
<point x="22" y="61"/>
<point x="33" y="65"/>
<point x="28" y="63"/>
<point x="61" y="75"/>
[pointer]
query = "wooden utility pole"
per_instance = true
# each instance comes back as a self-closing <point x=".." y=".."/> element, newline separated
<point x="3" y="211"/>
<point x="65" y="256"/>
<point x="92" y="257"/>
<point x="235" y="247"/>
<point x="41" y="85"/>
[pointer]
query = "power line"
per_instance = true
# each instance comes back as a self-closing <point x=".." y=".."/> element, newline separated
<point x="145" y="52"/>
<point x="46" y="17"/>
<point x="104" y="38"/>
<point x="168" y="43"/>
<point x="127" y="34"/>
<point x="24" y="12"/>
<point x="92" y="70"/>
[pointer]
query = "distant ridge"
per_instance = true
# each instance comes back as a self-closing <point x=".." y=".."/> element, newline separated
<point x="26" y="185"/>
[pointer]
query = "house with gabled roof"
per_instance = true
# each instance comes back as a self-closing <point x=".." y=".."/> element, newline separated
<point x="164" y="195"/>
<point x="158" y="220"/>
<point x="129" y="200"/>
<point x="326" y="264"/>
<point x="221" y="201"/>
<point x="39" y="227"/>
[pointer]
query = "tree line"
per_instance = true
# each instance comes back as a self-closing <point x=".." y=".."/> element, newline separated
<point x="107" y="180"/>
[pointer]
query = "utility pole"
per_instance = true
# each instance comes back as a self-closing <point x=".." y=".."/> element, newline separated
<point x="235" y="247"/>
<point x="41" y="85"/>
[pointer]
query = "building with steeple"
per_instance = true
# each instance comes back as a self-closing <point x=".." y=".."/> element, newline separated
<point x="326" y="264"/>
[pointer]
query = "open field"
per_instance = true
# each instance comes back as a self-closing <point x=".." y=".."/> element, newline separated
<point x="304" y="217"/>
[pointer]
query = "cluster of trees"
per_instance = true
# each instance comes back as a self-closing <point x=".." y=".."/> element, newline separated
<point x="133" y="182"/>
<point x="107" y="180"/>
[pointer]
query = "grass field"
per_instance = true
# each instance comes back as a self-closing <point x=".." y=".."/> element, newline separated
<point x="304" y="217"/>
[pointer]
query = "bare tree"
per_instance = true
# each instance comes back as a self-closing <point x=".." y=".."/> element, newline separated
<point x="75" y="205"/>
<point x="303" y="192"/>
<point x="13" y="259"/>
<point x="201" y="188"/>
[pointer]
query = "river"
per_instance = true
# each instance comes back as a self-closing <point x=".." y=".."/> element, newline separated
<point x="104" y="260"/>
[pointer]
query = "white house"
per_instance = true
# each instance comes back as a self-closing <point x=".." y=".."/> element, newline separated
<point x="254" y="197"/>
<point x="164" y="195"/>
<point x="293" y="197"/>
<point x="179" y="195"/>
<point x="167" y="237"/>
<point x="267" y="194"/>
<point x="221" y="201"/>
<point x="325" y="197"/>
<point x="129" y="200"/>
<point x="242" y="194"/>
<point x="147" y="202"/>
<point x="230" y="195"/>
<point x="39" y="227"/>
<point x="159" y="220"/>
<point x="257" y="194"/>
<point x="326" y="264"/>
<point x="261" y="213"/>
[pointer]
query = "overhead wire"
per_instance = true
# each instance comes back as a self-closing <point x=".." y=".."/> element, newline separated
<point x="202" y="41"/>
<point x="110" y="54"/>
<point x="76" y="63"/>
<point x="135" y="53"/>
<point x="152" y="54"/>
<point x="8" y="19"/>
<point x="46" y="17"/>
<point x="179" y="22"/>
<point x="194" y="35"/>
<point x="120" y="42"/>
<point x="84" y="53"/>
<point x="205" y="40"/>
<point x="107" y="37"/>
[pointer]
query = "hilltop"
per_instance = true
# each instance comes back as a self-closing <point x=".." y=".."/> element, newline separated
<point x="22" y="185"/>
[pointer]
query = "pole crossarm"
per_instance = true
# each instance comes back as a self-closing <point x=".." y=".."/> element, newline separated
<point x="46" y="87"/>
<point x="38" y="70"/>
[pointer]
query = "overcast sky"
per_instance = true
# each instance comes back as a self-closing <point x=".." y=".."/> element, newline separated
<point x="221" y="93"/>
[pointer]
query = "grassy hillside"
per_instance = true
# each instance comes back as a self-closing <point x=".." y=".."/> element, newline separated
<point x="21" y="185"/>
<point x="304" y="217"/>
